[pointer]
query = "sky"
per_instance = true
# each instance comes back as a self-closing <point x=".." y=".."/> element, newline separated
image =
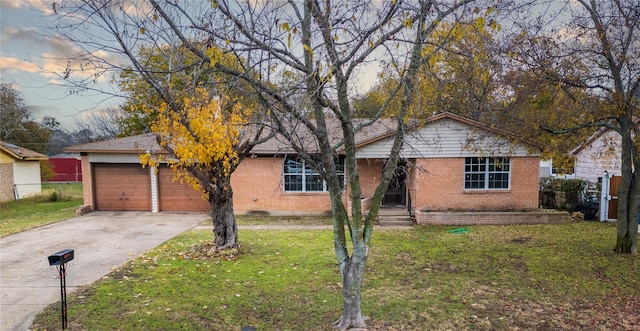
<point x="33" y="63"/>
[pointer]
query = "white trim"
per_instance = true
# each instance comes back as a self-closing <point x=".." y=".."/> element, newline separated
<point x="155" y="197"/>
<point x="486" y="174"/>
<point x="113" y="158"/>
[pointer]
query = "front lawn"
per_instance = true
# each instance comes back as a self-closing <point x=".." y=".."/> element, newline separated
<point x="521" y="277"/>
<point x="56" y="203"/>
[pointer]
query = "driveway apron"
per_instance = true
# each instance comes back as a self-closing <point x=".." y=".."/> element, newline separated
<point x="101" y="241"/>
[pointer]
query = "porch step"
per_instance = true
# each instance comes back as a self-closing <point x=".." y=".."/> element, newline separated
<point x="386" y="220"/>
<point x="393" y="211"/>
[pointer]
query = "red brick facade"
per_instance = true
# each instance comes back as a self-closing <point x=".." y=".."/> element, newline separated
<point x="257" y="187"/>
<point x="87" y="183"/>
<point x="437" y="184"/>
<point x="370" y="174"/>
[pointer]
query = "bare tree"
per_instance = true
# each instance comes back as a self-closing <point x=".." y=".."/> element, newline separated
<point x="302" y="60"/>
<point x="592" y="48"/>
<point x="101" y="124"/>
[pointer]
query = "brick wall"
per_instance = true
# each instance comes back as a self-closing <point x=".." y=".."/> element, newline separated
<point x="491" y="218"/>
<point x="439" y="186"/>
<point x="87" y="183"/>
<point x="257" y="187"/>
<point x="436" y="184"/>
<point x="370" y="174"/>
<point x="6" y="178"/>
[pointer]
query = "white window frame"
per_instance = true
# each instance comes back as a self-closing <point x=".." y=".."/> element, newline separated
<point x="485" y="165"/>
<point x="306" y="172"/>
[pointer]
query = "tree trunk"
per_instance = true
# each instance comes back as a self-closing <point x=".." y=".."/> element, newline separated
<point x="627" y="226"/>
<point x="629" y="194"/>
<point x="224" y="222"/>
<point x="352" y="275"/>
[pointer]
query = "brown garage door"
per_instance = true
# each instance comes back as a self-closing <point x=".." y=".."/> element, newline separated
<point x="122" y="187"/>
<point x="176" y="196"/>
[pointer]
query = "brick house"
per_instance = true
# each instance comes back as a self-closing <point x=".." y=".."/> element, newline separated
<point x="448" y="163"/>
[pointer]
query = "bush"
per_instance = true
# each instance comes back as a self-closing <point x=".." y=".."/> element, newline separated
<point x="47" y="170"/>
<point x="54" y="196"/>
<point x="573" y="190"/>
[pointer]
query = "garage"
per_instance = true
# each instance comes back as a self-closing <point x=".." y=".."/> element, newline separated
<point x="122" y="187"/>
<point x="117" y="182"/>
<point x="176" y="196"/>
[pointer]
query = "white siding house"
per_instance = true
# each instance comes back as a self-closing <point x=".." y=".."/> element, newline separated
<point x="600" y="153"/>
<point x="19" y="172"/>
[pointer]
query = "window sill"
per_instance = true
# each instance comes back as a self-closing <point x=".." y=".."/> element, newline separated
<point x="305" y="193"/>
<point x="501" y="191"/>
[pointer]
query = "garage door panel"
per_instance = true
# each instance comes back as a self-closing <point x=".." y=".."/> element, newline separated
<point x="177" y="196"/>
<point x="122" y="187"/>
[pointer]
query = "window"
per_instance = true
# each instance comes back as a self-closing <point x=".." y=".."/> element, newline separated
<point x="486" y="173"/>
<point x="300" y="177"/>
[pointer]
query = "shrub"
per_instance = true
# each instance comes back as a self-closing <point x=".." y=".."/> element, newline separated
<point x="46" y="170"/>
<point x="573" y="190"/>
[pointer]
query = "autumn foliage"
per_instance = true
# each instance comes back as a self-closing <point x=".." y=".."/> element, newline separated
<point x="200" y="135"/>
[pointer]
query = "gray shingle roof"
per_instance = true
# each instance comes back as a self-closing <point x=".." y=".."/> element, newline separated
<point x="21" y="153"/>
<point x="368" y="133"/>
<point x="134" y="144"/>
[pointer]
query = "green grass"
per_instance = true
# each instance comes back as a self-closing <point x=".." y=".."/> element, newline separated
<point x="282" y="220"/>
<point x="535" y="277"/>
<point x="278" y="220"/>
<point x="57" y="202"/>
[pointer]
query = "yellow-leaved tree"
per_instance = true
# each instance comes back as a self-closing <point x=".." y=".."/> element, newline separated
<point x="202" y="140"/>
<point x="206" y="122"/>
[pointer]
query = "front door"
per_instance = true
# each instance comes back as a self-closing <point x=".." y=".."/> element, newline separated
<point x="397" y="191"/>
<point x="614" y="188"/>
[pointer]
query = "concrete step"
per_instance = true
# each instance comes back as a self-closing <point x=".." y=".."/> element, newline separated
<point x="393" y="211"/>
<point x="395" y="221"/>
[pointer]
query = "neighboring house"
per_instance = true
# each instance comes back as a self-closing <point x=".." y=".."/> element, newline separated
<point x="598" y="154"/>
<point x="19" y="172"/>
<point x="546" y="168"/>
<point x="448" y="163"/>
<point x="66" y="167"/>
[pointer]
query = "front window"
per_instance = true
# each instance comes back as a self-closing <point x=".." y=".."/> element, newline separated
<point x="486" y="173"/>
<point x="300" y="177"/>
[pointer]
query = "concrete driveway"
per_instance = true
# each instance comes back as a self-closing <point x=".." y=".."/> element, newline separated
<point x="100" y="240"/>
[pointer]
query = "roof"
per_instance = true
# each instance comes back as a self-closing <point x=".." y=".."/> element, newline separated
<point x="21" y="153"/>
<point x="597" y="135"/>
<point x="128" y="145"/>
<point x="370" y="131"/>
<point x="65" y="156"/>
<point x="593" y="137"/>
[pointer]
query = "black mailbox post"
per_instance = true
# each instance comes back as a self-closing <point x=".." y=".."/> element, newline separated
<point x="60" y="260"/>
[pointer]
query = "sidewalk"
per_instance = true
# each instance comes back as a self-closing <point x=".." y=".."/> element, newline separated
<point x="298" y="227"/>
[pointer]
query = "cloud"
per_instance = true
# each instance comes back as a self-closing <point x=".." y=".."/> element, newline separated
<point x="11" y="64"/>
<point x="34" y="39"/>
<point x="17" y="4"/>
